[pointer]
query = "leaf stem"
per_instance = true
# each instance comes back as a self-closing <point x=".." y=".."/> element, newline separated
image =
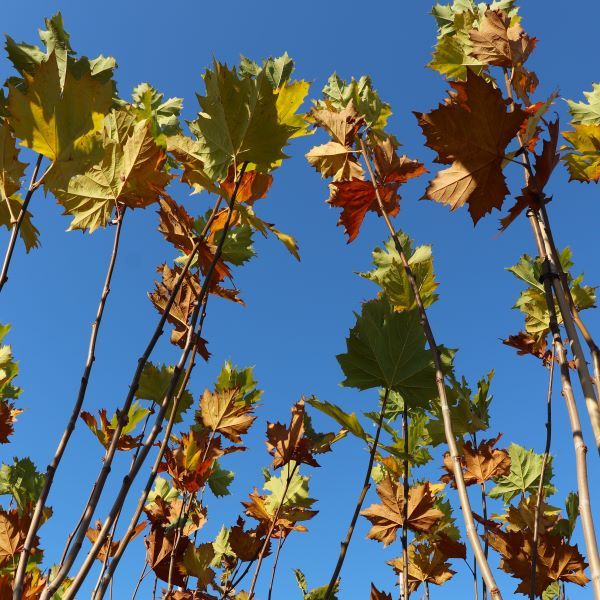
<point x="359" y="503"/>
<point x="33" y="185"/>
<point x="441" y="386"/>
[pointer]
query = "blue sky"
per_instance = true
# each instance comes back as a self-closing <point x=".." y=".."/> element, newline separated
<point x="297" y="314"/>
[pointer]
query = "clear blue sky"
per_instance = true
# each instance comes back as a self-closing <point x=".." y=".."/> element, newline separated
<point x="297" y="314"/>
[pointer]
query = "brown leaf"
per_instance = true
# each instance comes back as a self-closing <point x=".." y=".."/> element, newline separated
<point x="388" y="517"/>
<point x="425" y="564"/>
<point x="169" y="514"/>
<point x="183" y="305"/>
<point x="225" y="413"/>
<point x="480" y="464"/>
<point x="342" y="125"/>
<point x="450" y="548"/>
<point x="253" y="186"/>
<point x="105" y="432"/>
<point x="471" y="132"/>
<point x="109" y="545"/>
<point x="377" y="595"/>
<point x="13" y="530"/>
<point x="533" y="193"/>
<point x="287" y="444"/>
<point x="159" y="547"/>
<point x="525" y="344"/>
<point x="246" y="544"/>
<point x="497" y="42"/>
<point x="8" y="416"/>
<point x="336" y="161"/>
<point x="176" y="224"/>
<point x="190" y="463"/>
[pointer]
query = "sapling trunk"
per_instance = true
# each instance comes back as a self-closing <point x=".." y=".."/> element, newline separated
<point x="441" y="386"/>
<point x="66" y="436"/>
<point x="280" y="543"/>
<point x="148" y="443"/>
<point x="263" y="550"/>
<point x="543" y="235"/>
<point x="16" y="227"/>
<point x="406" y="490"/>
<point x="359" y="503"/>
<point x="540" y="491"/>
<point x="549" y="275"/>
<point x="486" y="545"/>
<point x="112" y="567"/>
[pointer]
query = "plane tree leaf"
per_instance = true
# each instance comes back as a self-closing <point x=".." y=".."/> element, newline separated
<point x="586" y="113"/>
<point x="28" y="232"/>
<point x="582" y="155"/>
<point x="471" y="132"/>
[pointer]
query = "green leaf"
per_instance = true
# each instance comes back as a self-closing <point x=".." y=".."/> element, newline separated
<point x="387" y="349"/>
<point x="552" y="592"/>
<point x="367" y="102"/>
<point x="51" y="118"/>
<point x="348" y="421"/>
<point x="238" y="123"/>
<point x="583" y="153"/>
<point x="197" y="562"/>
<point x="221" y="546"/>
<point x="219" y="480"/>
<point x="586" y="113"/>
<point x="22" y="481"/>
<point x="129" y="170"/>
<point x="9" y="369"/>
<point x="147" y="103"/>
<point x="28" y="232"/>
<point x="163" y="489"/>
<point x="231" y="377"/>
<point x="154" y="384"/>
<point x="297" y="490"/>
<point x="390" y="275"/>
<point x="524" y="476"/>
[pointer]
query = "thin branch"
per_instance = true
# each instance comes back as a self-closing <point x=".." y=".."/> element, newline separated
<point x="263" y="550"/>
<point x="33" y="185"/>
<point x="405" y="592"/>
<point x="359" y="503"/>
<point x="235" y="582"/>
<point x="441" y="387"/>
<point x="191" y="341"/>
<point x="280" y="544"/>
<point x="540" y="492"/>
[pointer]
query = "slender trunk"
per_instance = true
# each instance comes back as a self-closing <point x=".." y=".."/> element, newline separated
<point x="140" y="579"/>
<point x="543" y="235"/>
<point x="439" y="377"/>
<point x="549" y="275"/>
<point x="263" y="550"/>
<point x="359" y="503"/>
<point x="280" y="543"/>
<point x="540" y="491"/>
<point x="486" y="545"/>
<point x="107" y="578"/>
<point x="14" y="234"/>
<point x="66" y="436"/>
<point x="405" y="507"/>
<point x="149" y="442"/>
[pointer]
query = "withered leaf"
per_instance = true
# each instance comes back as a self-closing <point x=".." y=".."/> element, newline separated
<point x="388" y="517"/>
<point x="109" y="547"/>
<point x="377" y="595"/>
<point x="226" y="413"/>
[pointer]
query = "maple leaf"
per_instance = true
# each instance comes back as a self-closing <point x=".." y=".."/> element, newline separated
<point x="583" y="155"/>
<point x="51" y="118"/>
<point x="10" y="209"/>
<point x="389" y="273"/>
<point x="479" y="464"/>
<point x="11" y="169"/>
<point x="223" y="412"/>
<point x="586" y="113"/>
<point x="109" y="548"/>
<point x="387" y="349"/>
<point x="525" y="344"/>
<point x="147" y="103"/>
<point x="426" y="564"/>
<point x="357" y="197"/>
<point x="13" y="530"/>
<point x="377" y="595"/>
<point x="169" y="513"/>
<point x="154" y="385"/>
<point x="287" y="444"/>
<point x="161" y="549"/>
<point x="471" y="132"/>
<point x="242" y="380"/>
<point x="388" y="517"/>
<point x="104" y="432"/>
<point x="190" y="463"/>
<point x="197" y="561"/>
<point x="239" y="122"/>
<point x="252" y="186"/>
<point x="247" y="544"/>
<point x="183" y="306"/>
<point x="23" y="482"/>
<point x="533" y="193"/>
<point x="497" y="42"/>
<point x="319" y="593"/>
<point x="524" y="475"/>
<point x="128" y="171"/>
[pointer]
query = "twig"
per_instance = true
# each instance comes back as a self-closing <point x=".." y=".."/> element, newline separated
<point x="33" y="185"/>
<point x="406" y="490"/>
<point x="540" y="491"/>
<point x="280" y="544"/>
<point x="263" y="550"/>
<point x="465" y="503"/>
<point x="359" y="503"/>
<point x="157" y="427"/>
<point x="62" y="446"/>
